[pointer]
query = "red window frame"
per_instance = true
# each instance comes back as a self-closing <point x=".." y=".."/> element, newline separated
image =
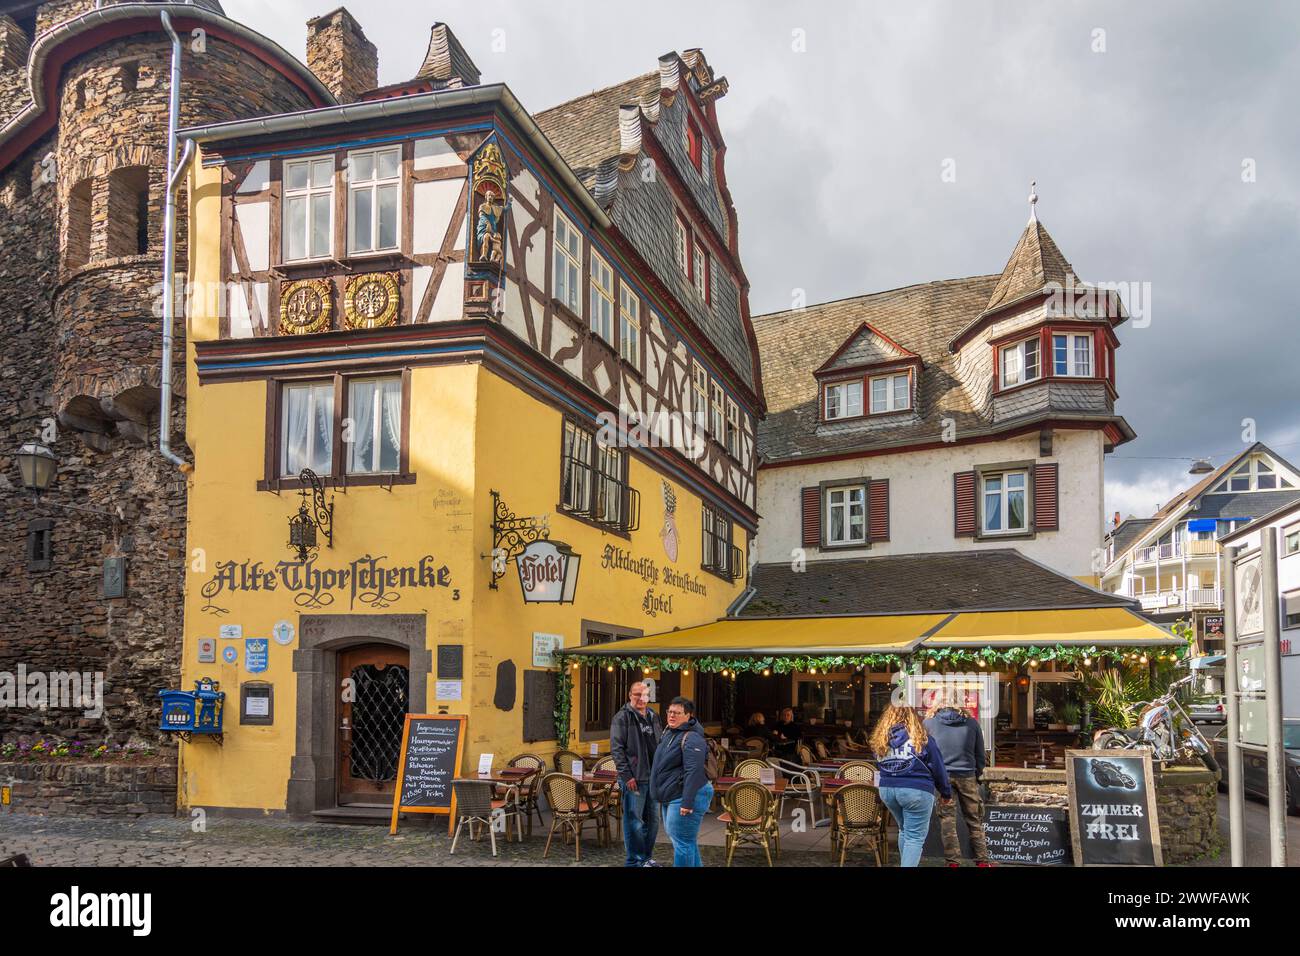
<point x="1103" y="356"/>
<point x="694" y="144"/>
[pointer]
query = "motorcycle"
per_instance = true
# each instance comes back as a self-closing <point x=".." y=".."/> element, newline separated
<point x="1165" y="729"/>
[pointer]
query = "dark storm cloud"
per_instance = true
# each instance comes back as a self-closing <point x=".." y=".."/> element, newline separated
<point x="841" y="115"/>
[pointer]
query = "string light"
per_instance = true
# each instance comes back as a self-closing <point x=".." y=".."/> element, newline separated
<point x="767" y="672"/>
<point x="610" y="668"/>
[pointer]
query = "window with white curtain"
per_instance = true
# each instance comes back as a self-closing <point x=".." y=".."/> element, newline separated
<point x="1005" y="504"/>
<point x="844" y="400"/>
<point x="1020" y="363"/>
<point x="374" y="199"/>
<point x="846" y="515"/>
<point x="375" y="417"/>
<point x="308" y="229"/>
<point x="307" y="429"/>
<point x="1072" y="355"/>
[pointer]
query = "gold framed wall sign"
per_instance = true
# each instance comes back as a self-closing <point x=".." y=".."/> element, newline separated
<point x="371" y="301"/>
<point x="305" y="307"/>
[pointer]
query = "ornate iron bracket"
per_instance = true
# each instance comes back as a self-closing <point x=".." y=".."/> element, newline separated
<point x="314" y="514"/>
<point x="510" y="535"/>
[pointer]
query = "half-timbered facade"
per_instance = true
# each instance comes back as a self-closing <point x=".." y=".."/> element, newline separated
<point x="468" y="327"/>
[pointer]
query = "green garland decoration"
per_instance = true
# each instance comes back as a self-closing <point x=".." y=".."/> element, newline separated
<point x="1018" y="657"/>
<point x="563" y="705"/>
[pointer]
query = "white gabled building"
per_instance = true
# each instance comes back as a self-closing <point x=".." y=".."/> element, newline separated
<point x="959" y="415"/>
<point x="1170" y="561"/>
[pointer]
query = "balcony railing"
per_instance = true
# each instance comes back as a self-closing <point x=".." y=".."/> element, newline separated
<point x="1187" y="599"/>
<point x="601" y="498"/>
<point x="1166" y="552"/>
<point x="1198" y="548"/>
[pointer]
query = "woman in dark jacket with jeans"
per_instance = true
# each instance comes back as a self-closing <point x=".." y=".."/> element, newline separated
<point x="911" y="770"/>
<point x="678" y="781"/>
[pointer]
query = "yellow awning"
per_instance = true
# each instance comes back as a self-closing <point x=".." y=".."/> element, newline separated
<point x="769" y="637"/>
<point x="1102" y="626"/>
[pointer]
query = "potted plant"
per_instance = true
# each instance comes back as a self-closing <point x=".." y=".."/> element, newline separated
<point x="1072" y="714"/>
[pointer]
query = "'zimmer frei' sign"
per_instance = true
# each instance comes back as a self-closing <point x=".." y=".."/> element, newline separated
<point x="548" y="572"/>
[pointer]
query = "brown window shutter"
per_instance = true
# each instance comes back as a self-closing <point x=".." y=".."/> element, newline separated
<point x="1047" y="508"/>
<point x="812" y="517"/>
<point x="963" y="495"/>
<point x="878" y="522"/>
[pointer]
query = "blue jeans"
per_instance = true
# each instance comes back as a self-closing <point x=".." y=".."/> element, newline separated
<point x="911" y="811"/>
<point x="640" y="823"/>
<point x="683" y="830"/>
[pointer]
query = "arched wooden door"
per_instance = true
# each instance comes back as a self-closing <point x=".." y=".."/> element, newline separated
<point x="375" y="692"/>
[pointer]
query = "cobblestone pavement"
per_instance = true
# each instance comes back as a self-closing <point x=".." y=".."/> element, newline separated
<point x="165" y="841"/>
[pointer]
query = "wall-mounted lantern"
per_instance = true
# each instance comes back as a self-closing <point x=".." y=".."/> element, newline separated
<point x="38" y="467"/>
<point x="314" y="514"/>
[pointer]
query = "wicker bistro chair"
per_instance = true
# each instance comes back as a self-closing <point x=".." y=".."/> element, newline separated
<point x="858" y="816"/>
<point x="801" y="783"/>
<point x="475" y="807"/>
<point x="563" y="760"/>
<point x="804" y="753"/>
<point x="530" y="790"/>
<point x="756" y="746"/>
<point x="615" y="799"/>
<point x="571" y="811"/>
<point x="749" y="819"/>
<point x="820" y="751"/>
<point x="859" y="771"/>
<point x="750" y="769"/>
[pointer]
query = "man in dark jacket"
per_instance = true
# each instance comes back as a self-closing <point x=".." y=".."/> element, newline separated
<point x="633" y="736"/>
<point x="961" y="742"/>
<point x="679" y="781"/>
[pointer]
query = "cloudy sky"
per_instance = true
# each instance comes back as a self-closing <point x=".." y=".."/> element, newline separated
<point x="1162" y="135"/>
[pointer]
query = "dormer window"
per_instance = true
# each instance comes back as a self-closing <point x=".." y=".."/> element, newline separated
<point x="1020" y="363"/>
<point x="891" y="393"/>
<point x="843" y="400"/>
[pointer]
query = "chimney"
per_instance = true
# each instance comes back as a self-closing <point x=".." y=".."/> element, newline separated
<point x="1117" y="520"/>
<point x="14" y="45"/>
<point x="341" y="56"/>
<point x="446" y="65"/>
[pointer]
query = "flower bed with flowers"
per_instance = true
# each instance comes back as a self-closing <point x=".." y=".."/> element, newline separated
<point x="56" y="777"/>
<point x="76" y="750"/>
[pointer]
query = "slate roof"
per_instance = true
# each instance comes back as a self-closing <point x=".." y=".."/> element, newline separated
<point x="1034" y="262"/>
<point x="446" y="64"/>
<point x="585" y="129"/>
<point x="1238" y="504"/>
<point x="1129" y="530"/>
<point x="923" y="318"/>
<point x="998" y="579"/>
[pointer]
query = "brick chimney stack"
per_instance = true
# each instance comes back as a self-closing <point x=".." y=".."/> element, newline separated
<point x="341" y="56"/>
<point x="1117" y="520"/>
<point x="14" y="45"/>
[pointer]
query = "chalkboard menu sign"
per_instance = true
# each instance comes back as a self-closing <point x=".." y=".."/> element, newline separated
<point x="430" y="759"/>
<point x="1113" y="808"/>
<point x="1034" y="836"/>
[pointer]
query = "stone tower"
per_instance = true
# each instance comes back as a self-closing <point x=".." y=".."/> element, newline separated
<point x="82" y="170"/>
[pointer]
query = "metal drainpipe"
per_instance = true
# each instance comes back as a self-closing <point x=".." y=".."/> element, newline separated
<point x="175" y="171"/>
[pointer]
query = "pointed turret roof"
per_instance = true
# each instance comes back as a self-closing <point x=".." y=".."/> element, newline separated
<point x="1034" y="263"/>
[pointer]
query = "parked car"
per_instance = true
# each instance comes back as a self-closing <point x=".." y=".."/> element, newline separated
<point x="1209" y="710"/>
<point x="1254" y="767"/>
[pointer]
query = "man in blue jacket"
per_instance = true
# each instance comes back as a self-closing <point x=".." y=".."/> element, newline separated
<point x="679" y="781"/>
<point x="633" y="736"/>
<point x="961" y="742"/>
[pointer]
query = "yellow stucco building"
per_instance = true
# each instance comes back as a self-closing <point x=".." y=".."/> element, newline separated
<point x="432" y="306"/>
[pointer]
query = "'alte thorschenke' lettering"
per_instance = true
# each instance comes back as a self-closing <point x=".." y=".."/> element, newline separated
<point x="367" y="579"/>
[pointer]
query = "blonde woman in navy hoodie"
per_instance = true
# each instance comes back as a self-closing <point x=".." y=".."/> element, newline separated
<point x="911" y="770"/>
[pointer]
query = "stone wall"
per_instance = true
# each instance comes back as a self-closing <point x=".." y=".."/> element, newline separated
<point x="106" y="790"/>
<point x="1187" y="804"/>
<point x="79" y="370"/>
<point x="341" y="56"/>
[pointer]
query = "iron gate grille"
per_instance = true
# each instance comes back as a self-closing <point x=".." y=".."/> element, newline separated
<point x="378" y="714"/>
